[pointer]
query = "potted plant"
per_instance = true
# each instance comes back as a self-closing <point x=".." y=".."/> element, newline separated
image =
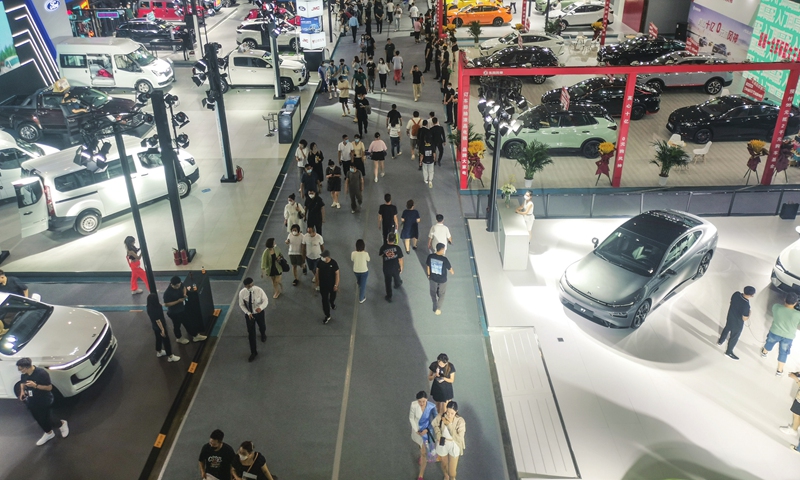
<point x="667" y="157"/>
<point x="553" y="27"/>
<point x="455" y="137"/>
<point x="475" y="30"/>
<point x="533" y="158"/>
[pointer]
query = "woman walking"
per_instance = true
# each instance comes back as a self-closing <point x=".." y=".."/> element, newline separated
<point x="334" y="176"/>
<point x="398" y="13"/>
<point x="292" y="213"/>
<point x="377" y="150"/>
<point x="383" y="73"/>
<point x="249" y="464"/>
<point x="442" y="373"/>
<point x="410" y="221"/>
<point x="270" y="266"/>
<point x="135" y="263"/>
<point x="360" y="258"/>
<point x="394" y="138"/>
<point x="295" y="242"/>
<point x="371" y="69"/>
<point x="449" y="428"/>
<point x="156" y="313"/>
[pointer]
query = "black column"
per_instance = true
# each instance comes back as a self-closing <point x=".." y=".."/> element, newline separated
<point x="491" y="217"/>
<point x="275" y="62"/>
<point x="222" y="121"/>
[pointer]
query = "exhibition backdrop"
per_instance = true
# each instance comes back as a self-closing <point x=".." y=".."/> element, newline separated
<point x="718" y="33"/>
<point x="8" y="54"/>
<point x="776" y="37"/>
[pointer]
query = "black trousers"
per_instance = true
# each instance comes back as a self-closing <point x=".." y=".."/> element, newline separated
<point x="379" y="26"/>
<point x="387" y="229"/>
<point x="438" y="67"/>
<point x="179" y="319"/>
<point x="162" y="343"/>
<point x="382" y="77"/>
<point x="440" y="152"/>
<point x="362" y="124"/>
<point x="358" y="162"/>
<point x="388" y="277"/>
<point x="328" y="298"/>
<point x="354" y="31"/>
<point x="427" y="66"/>
<point x="315" y="222"/>
<point x="42" y="415"/>
<point x="256" y="318"/>
<point x="449" y="110"/>
<point x="734" y="328"/>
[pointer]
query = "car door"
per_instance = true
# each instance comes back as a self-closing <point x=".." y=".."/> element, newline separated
<point x="9" y="376"/>
<point x="583" y="127"/>
<point x="111" y="187"/>
<point x="151" y="181"/>
<point x="262" y="72"/>
<point x="680" y="265"/>
<point x="53" y="115"/>
<point x="10" y="161"/>
<point x="75" y="68"/>
<point x="549" y="131"/>
<point x="101" y="70"/>
<point x="242" y="71"/>
<point x="734" y="123"/>
<point x="763" y="118"/>
<point x="32" y="205"/>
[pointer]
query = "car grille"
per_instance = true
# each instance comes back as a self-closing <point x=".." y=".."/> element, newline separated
<point x="587" y="296"/>
<point x="101" y="346"/>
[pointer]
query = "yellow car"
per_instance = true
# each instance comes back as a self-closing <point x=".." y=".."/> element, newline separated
<point x="459" y="4"/>
<point x="485" y="14"/>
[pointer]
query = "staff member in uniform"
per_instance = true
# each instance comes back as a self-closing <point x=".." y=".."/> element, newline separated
<point x="36" y="390"/>
<point x="12" y="285"/>
<point x="738" y="313"/>
<point x="253" y="300"/>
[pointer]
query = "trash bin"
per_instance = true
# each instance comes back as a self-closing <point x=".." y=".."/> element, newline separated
<point x="789" y="211"/>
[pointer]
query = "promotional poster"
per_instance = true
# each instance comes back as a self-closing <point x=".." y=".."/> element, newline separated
<point x="776" y="37"/>
<point x="715" y="33"/>
<point x="8" y="54"/>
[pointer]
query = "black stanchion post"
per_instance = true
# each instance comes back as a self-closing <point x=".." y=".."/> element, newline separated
<point x="137" y="217"/>
<point x="171" y="164"/>
<point x="491" y="217"/>
<point x="330" y="20"/>
<point x="214" y="81"/>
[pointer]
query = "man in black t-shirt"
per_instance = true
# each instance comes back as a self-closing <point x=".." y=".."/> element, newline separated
<point x="174" y="299"/>
<point x="438" y="139"/>
<point x="392" y="264"/>
<point x="216" y="458"/>
<point x="393" y="117"/>
<point x="438" y="265"/>
<point x="36" y="390"/>
<point x="426" y="161"/>
<point x="12" y="285"/>
<point x="328" y="280"/>
<point x="738" y="313"/>
<point x="387" y="217"/>
<point x="315" y="211"/>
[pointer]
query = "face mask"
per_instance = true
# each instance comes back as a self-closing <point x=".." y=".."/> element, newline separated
<point x="242" y="457"/>
<point x="295" y="233"/>
<point x="358" y="140"/>
<point x="353" y="170"/>
<point x="311" y="195"/>
<point x="308" y="171"/>
<point x="345" y="142"/>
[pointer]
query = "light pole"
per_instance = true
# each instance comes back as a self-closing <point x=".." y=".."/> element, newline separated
<point x="497" y="122"/>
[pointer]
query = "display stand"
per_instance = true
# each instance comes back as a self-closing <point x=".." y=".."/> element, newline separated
<point x="287" y="126"/>
<point x="512" y="239"/>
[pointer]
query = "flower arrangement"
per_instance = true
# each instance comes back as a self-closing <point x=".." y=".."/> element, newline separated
<point x="450" y="27"/>
<point x="518" y="26"/>
<point x="756" y="147"/>
<point x="597" y="26"/>
<point x="476" y="148"/>
<point x="606" y="148"/>
<point x="508" y="189"/>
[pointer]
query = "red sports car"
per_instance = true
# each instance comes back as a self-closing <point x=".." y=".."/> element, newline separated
<point x="288" y="17"/>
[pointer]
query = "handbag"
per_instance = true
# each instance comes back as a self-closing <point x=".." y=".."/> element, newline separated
<point x="430" y="448"/>
<point x="368" y="108"/>
<point x="283" y="263"/>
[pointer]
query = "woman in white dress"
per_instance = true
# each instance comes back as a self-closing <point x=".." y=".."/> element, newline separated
<point x="526" y="210"/>
<point x="293" y="214"/>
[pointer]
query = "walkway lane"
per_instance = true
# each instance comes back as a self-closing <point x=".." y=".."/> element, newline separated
<point x="290" y="400"/>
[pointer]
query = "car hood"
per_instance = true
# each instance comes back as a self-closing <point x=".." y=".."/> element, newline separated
<point x="689" y="114"/>
<point x="491" y="43"/>
<point x="790" y="258"/>
<point x="481" y="62"/>
<point x="292" y="65"/>
<point x="66" y="335"/>
<point x="603" y="281"/>
<point x="612" y="49"/>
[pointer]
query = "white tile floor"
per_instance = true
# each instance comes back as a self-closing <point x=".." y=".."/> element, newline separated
<point x="662" y="401"/>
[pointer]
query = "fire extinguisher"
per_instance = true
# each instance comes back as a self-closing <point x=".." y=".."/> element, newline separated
<point x="239" y="173"/>
<point x="184" y="257"/>
<point x="176" y="256"/>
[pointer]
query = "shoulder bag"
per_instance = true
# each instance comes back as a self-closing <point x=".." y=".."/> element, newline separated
<point x="283" y="263"/>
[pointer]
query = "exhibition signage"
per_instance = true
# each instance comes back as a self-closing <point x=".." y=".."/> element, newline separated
<point x="463" y="122"/>
<point x="606" y="10"/>
<point x="753" y="89"/>
<point x="624" y="125"/>
<point x="692" y="46"/>
<point x="311" y="34"/>
<point x="652" y="30"/>
<point x="524" y="13"/>
<point x="564" y="98"/>
<point x="775" y="37"/>
<point x="718" y="34"/>
<point x="780" y="127"/>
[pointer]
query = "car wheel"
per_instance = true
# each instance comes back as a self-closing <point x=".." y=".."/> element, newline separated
<point x="88" y="222"/>
<point x="564" y="24"/>
<point x="591" y="148"/>
<point x="641" y="314"/>
<point x="497" y="22"/>
<point x="513" y="148"/>
<point x="251" y="44"/>
<point x="292" y="44"/>
<point x="143" y="86"/>
<point x="184" y="188"/>
<point x="29" y="132"/>
<point x="458" y="22"/>
<point x="703" y="267"/>
<point x="703" y="136"/>
<point x="637" y="112"/>
<point x="286" y="85"/>
<point x="713" y="86"/>
<point x="538" y="79"/>
<point x="225" y="85"/>
<point x="656" y="85"/>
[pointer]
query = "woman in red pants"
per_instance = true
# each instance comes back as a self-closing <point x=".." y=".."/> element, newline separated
<point x="135" y="262"/>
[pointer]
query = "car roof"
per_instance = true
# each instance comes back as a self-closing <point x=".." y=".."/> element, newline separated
<point x="63" y="162"/>
<point x="663" y="226"/>
<point x="575" y="107"/>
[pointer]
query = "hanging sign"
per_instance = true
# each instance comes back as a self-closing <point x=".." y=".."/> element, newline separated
<point x="652" y="30"/>
<point x="754" y="89"/>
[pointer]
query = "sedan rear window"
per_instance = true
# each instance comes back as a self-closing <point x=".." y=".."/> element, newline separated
<point x="21" y="318"/>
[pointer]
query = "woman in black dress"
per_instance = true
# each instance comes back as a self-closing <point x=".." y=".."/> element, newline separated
<point x="442" y="373"/>
<point x="316" y="159"/>
<point x="249" y="464"/>
<point x="410" y="220"/>
<point x="156" y="313"/>
<point x="334" y="176"/>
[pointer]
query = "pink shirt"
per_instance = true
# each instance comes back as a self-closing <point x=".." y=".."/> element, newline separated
<point x="377" y="145"/>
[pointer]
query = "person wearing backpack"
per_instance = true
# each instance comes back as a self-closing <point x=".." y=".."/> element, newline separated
<point x="412" y="129"/>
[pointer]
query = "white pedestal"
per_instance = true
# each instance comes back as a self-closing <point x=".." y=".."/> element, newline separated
<point x="512" y="238"/>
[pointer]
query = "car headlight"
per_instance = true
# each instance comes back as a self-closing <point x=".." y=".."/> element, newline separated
<point x="779" y="265"/>
<point x="190" y="161"/>
<point x="619" y="314"/>
<point x="297" y="71"/>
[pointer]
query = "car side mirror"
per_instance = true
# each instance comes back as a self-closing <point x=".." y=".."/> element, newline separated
<point x="668" y="271"/>
<point x="595" y="241"/>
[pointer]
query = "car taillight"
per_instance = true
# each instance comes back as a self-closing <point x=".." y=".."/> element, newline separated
<point x="612" y="127"/>
<point x="50" y="208"/>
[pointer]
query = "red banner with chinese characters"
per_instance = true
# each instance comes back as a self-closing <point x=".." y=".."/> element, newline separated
<point x="524" y="15"/>
<point x="564" y="98"/>
<point x="624" y="125"/>
<point x="692" y="46"/>
<point x="780" y="127"/>
<point x="462" y="113"/>
<point x="754" y="89"/>
<point x="606" y="10"/>
<point x="652" y="30"/>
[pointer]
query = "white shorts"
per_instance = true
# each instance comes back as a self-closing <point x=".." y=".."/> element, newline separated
<point x="529" y="222"/>
<point x="450" y="448"/>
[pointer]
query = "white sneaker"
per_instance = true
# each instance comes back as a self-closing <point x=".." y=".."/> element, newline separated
<point x="199" y="338"/>
<point x="46" y="438"/>
<point x="136" y="292"/>
<point x="430" y="184"/>
<point x="383" y="174"/>
<point x="173" y="358"/>
<point x="182" y="341"/>
<point x="788" y="430"/>
<point x="376" y="179"/>
<point x="64" y="429"/>
<point x="161" y="353"/>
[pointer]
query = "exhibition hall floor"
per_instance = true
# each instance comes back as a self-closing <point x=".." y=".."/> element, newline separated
<point x="662" y="401"/>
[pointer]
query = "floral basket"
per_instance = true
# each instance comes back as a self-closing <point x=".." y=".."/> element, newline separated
<point x="757" y="147"/>
<point x="508" y="190"/>
<point x="476" y="148"/>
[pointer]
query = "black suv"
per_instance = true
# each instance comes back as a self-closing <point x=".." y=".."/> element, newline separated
<point x="519" y="57"/>
<point x="609" y="92"/>
<point x="639" y="49"/>
<point x="156" y="34"/>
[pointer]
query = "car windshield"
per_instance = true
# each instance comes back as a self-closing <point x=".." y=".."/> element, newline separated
<point x="718" y="106"/>
<point x="581" y="88"/>
<point x="21" y="318"/>
<point x="34" y="150"/>
<point x="508" y="38"/>
<point x="535" y="118"/>
<point x="632" y="252"/>
<point x="90" y="97"/>
<point x="142" y="56"/>
<point x="571" y="7"/>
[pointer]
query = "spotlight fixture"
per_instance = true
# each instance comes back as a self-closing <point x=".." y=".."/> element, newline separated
<point x="179" y="120"/>
<point x="150" y="142"/>
<point x="210" y="102"/>
<point x="482" y="105"/>
<point x="182" y="140"/>
<point x="171" y="100"/>
<point x="494" y="109"/>
<point x="142" y="98"/>
<point x="200" y="72"/>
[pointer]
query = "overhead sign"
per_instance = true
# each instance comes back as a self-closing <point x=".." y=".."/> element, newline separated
<point x="52" y="5"/>
<point x="754" y="89"/>
<point x="113" y="14"/>
<point x="652" y="30"/>
<point x="692" y="46"/>
<point x="564" y="98"/>
<point x="309" y="8"/>
<point x="310" y="25"/>
<point x="312" y="41"/>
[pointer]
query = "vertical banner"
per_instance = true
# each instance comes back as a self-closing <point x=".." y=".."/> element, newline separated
<point x="780" y="127"/>
<point x="524" y="16"/>
<point x="463" y="120"/>
<point x="440" y="16"/>
<point x="652" y="30"/>
<point x="624" y="125"/>
<point x="564" y="98"/>
<point x="605" y="22"/>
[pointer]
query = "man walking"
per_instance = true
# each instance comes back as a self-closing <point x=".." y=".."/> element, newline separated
<point x="174" y="299"/>
<point x="345" y="150"/>
<point x="354" y="184"/>
<point x="387" y="217"/>
<point x="738" y="313"/>
<point x="785" y="320"/>
<point x="313" y="244"/>
<point x="393" y="117"/>
<point x="344" y="94"/>
<point x="315" y="211"/>
<point x="412" y="129"/>
<point x="428" y="54"/>
<point x="392" y="264"/>
<point x="413" y="13"/>
<point x="438" y="139"/>
<point x="36" y="390"/>
<point x="417" y="81"/>
<point x="427" y="159"/>
<point x="397" y="65"/>
<point x="216" y="458"/>
<point x="328" y="279"/>
<point x="389" y="49"/>
<point x="353" y="24"/>
<point x="450" y="103"/>
<point x="439" y="234"/>
<point x="362" y="105"/>
<point x="253" y="301"/>
<point x="332" y="74"/>
<point x="438" y="265"/>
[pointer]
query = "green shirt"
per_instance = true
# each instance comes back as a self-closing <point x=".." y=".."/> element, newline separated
<point x="360" y="77"/>
<point x="784" y="321"/>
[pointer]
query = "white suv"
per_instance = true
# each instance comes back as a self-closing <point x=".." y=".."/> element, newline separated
<point x="249" y="33"/>
<point x="712" y="82"/>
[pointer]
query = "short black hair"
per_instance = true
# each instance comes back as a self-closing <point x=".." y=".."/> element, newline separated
<point x="439" y="217"/>
<point x="247" y="281"/>
<point x="387" y="197"/>
<point x="24" y="362"/>
<point x="175" y="280"/>
<point x="748" y="290"/>
<point x="421" y="394"/>
<point x="391" y="238"/>
<point x="791" y="298"/>
<point x="217" y="435"/>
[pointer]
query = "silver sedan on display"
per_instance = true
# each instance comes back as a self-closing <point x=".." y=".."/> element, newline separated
<point x="644" y="262"/>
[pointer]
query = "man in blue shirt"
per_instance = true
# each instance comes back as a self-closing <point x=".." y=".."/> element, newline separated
<point x="353" y="24"/>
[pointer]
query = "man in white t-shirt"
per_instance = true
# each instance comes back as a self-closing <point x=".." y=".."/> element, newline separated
<point x="413" y="12"/>
<point x="439" y="234"/>
<point x="345" y="149"/>
<point x="301" y="157"/>
<point x="313" y="245"/>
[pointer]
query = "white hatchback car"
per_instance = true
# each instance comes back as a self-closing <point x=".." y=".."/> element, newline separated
<point x="12" y="154"/>
<point x="249" y="33"/>
<point x="786" y="272"/>
<point x="583" y="14"/>
<point x="553" y="42"/>
<point x="75" y="345"/>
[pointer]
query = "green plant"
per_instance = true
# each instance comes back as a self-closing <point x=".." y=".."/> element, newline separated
<point x="553" y="27"/>
<point x="668" y="157"/>
<point x="455" y="136"/>
<point x="533" y="158"/>
<point x="7" y="52"/>
<point x="475" y="30"/>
